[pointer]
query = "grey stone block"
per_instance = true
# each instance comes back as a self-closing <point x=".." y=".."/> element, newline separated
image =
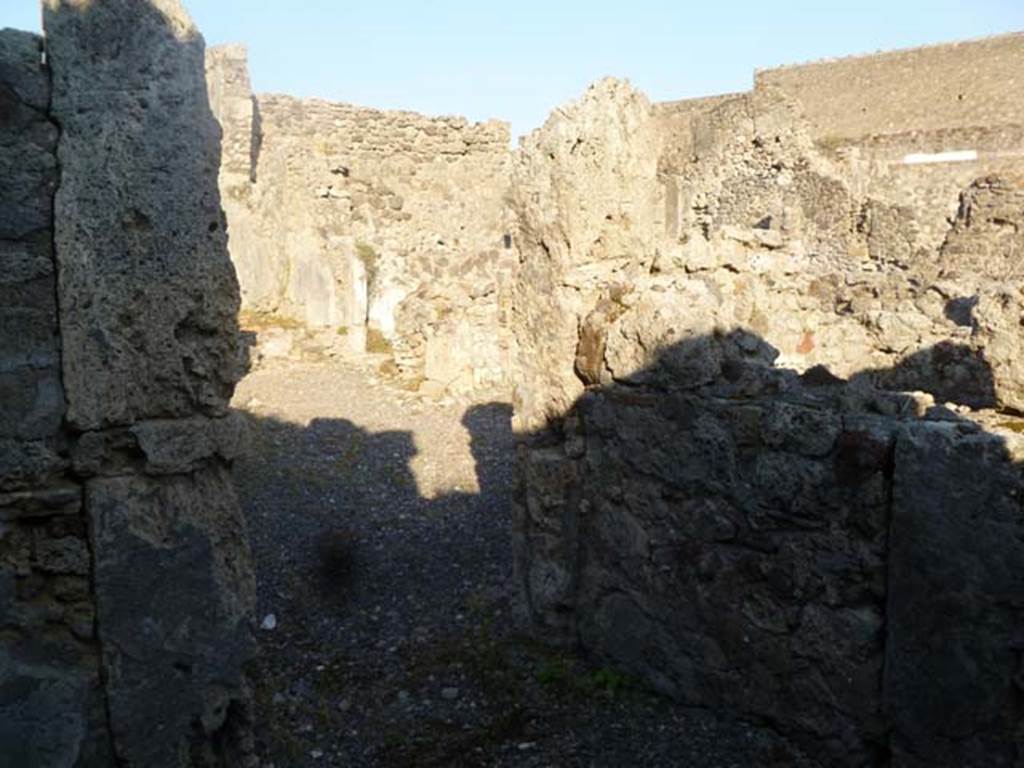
<point x="955" y="619"/>
<point x="175" y="602"/>
<point x="148" y="295"/>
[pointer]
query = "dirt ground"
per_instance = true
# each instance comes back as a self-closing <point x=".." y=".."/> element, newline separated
<point x="380" y="524"/>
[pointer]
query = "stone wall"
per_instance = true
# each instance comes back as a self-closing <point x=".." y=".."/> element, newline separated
<point x="875" y="113"/>
<point x="890" y="120"/>
<point x="883" y="167"/>
<point x="52" y="707"/>
<point x="359" y="220"/>
<point x="937" y="87"/>
<point x="126" y="592"/>
<point x="231" y="100"/>
<point x="734" y="371"/>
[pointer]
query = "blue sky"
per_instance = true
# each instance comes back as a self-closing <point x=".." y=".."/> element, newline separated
<point x="517" y="60"/>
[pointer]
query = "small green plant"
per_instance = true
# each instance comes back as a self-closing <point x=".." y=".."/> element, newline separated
<point x="343" y="330"/>
<point x="569" y="676"/>
<point x="605" y="681"/>
<point x="554" y="672"/>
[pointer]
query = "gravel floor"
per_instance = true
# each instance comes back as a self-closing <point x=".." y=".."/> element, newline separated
<point x="380" y="530"/>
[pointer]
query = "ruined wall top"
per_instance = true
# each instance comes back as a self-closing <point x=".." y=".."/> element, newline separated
<point x="682" y="107"/>
<point x="954" y="85"/>
<point x="323" y="127"/>
<point x="230" y="92"/>
<point x="378" y="131"/>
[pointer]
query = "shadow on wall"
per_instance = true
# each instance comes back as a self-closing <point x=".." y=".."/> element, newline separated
<point x="834" y="559"/>
<point x="121" y="645"/>
<point x="256" y="140"/>
<point x="950" y="372"/>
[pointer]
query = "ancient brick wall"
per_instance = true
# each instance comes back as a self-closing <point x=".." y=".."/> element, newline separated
<point x="680" y="121"/>
<point x="126" y="592"/>
<point x="878" y="167"/>
<point x="231" y="100"/>
<point x="367" y="219"/>
<point x="937" y="87"/>
<point x="873" y="114"/>
<point x="733" y="371"/>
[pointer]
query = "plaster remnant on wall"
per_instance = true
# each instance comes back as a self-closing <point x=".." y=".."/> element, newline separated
<point x="954" y="156"/>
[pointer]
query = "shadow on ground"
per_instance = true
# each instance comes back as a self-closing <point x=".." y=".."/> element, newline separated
<point x="395" y="643"/>
<point x="395" y="639"/>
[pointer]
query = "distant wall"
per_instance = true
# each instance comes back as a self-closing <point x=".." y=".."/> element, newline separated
<point x="351" y="213"/>
<point x="680" y="123"/>
<point x="867" y="114"/>
<point x="877" y="167"/>
<point x="954" y="85"/>
<point x="413" y="187"/>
